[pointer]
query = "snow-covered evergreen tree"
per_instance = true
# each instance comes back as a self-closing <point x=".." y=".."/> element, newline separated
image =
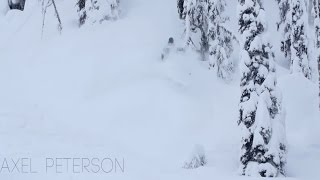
<point x="299" y="41"/>
<point x="81" y="5"/>
<point x="284" y="25"/>
<point x="98" y="10"/>
<point x="316" y="13"/>
<point x="220" y="40"/>
<point x="182" y="8"/>
<point x="261" y="118"/>
<point x="197" y="26"/>
<point x="206" y="33"/>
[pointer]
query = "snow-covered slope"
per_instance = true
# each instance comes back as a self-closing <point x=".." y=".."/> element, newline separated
<point x="102" y="91"/>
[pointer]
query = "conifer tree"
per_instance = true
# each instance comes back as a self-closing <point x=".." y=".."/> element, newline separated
<point x="81" y="9"/>
<point x="284" y="25"/>
<point x="261" y="119"/>
<point x="299" y="40"/>
<point x="316" y="13"/>
<point x="197" y="26"/>
<point x="220" y="40"/>
<point x="182" y="8"/>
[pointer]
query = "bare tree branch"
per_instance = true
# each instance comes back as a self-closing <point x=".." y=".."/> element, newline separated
<point x="45" y="5"/>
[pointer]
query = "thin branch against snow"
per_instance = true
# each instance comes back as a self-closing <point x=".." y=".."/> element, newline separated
<point x="57" y="15"/>
<point x="45" y="5"/>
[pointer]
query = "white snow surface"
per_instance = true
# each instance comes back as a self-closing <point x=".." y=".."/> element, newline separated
<point x="102" y="91"/>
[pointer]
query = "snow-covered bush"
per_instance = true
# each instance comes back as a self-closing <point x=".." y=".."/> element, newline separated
<point x="197" y="158"/>
<point x="93" y="11"/>
<point x="6" y="5"/>
<point x="16" y="4"/>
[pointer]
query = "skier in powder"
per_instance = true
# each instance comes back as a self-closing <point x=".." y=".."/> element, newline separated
<point x="168" y="49"/>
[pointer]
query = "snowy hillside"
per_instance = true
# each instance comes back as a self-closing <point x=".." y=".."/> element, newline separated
<point x="102" y="91"/>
